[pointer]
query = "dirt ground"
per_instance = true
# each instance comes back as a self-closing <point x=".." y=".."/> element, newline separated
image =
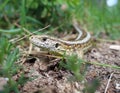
<point x="47" y="77"/>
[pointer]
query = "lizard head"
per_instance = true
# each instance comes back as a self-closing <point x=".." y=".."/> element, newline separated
<point x="48" y="43"/>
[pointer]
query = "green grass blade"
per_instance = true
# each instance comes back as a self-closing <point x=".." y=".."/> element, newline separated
<point x="11" y="30"/>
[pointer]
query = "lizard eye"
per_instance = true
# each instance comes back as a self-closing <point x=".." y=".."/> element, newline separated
<point x="31" y="37"/>
<point x="56" y="45"/>
<point x="44" y="39"/>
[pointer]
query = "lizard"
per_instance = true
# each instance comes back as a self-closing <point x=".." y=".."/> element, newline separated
<point x="59" y="46"/>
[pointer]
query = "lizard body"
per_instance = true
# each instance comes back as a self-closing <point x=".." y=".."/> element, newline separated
<point x="59" y="46"/>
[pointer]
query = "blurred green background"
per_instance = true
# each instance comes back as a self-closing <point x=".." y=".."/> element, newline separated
<point x="95" y="15"/>
<point x="100" y="19"/>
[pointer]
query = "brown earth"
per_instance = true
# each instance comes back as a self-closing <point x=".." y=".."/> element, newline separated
<point x="47" y="77"/>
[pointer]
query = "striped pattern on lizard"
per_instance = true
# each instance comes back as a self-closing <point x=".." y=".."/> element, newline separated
<point x="58" y="46"/>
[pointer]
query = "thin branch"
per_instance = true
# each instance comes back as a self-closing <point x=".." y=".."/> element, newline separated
<point x="108" y="83"/>
<point x="24" y="29"/>
<point x="29" y="34"/>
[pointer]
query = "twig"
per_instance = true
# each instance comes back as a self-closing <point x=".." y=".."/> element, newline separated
<point x="24" y="29"/>
<point x="105" y="40"/>
<point x="30" y="34"/>
<point x="44" y="53"/>
<point x="104" y="65"/>
<point x="108" y="83"/>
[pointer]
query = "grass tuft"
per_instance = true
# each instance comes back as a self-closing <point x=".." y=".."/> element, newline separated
<point x="8" y="68"/>
<point x="75" y="65"/>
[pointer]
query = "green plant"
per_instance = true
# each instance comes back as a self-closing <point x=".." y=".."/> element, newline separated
<point x="32" y="14"/>
<point x="92" y="86"/>
<point x="75" y="65"/>
<point x="8" y="68"/>
<point x="7" y="57"/>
